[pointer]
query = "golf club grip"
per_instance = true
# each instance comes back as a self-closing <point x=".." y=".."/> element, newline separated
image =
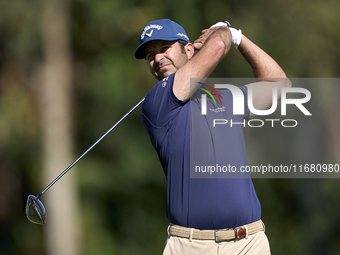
<point x="93" y="145"/>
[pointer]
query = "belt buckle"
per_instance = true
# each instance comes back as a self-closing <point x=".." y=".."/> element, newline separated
<point x="216" y="238"/>
<point x="240" y="232"/>
<point x="215" y="234"/>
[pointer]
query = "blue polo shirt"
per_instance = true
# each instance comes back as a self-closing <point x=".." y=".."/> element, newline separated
<point x="201" y="203"/>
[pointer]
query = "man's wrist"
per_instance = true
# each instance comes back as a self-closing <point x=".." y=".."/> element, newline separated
<point x="236" y="35"/>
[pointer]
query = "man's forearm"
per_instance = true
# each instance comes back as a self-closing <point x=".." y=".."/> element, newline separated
<point x="216" y="44"/>
<point x="268" y="73"/>
<point x="261" y="63"/>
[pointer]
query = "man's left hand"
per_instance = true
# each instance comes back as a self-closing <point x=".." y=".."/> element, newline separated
<point x="204" y="36"/>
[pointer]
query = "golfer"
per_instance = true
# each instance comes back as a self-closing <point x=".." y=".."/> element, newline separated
<point x="215" y="215"/>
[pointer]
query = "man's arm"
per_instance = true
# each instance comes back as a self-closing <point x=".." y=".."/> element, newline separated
<point x="216" y="44"/>
<point x="269" y="74"/>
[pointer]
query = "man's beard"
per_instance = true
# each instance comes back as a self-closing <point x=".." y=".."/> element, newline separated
<point x="168" y="64"/>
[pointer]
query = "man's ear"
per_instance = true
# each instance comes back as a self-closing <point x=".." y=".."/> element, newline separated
<point x="190" y="50"/>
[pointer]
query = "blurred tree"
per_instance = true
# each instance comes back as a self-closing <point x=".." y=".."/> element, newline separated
<point x="62" y="230"/>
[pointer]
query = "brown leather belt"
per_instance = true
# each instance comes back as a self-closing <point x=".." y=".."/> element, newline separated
<point x="217" y="235"/>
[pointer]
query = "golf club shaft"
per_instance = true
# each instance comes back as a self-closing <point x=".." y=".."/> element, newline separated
<point x="93" y="145"/>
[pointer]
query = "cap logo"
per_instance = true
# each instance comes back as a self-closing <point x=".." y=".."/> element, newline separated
<point x="183" y="35"/>
<point x="161" y="30"/>
<point x="152" y="26"/>
<point x="149" y="34"/>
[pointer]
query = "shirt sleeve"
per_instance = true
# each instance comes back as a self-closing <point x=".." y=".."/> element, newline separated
<point x="160" y="104"/>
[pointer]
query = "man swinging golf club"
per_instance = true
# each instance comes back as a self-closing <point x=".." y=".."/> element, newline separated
<point x="207" y="216"/>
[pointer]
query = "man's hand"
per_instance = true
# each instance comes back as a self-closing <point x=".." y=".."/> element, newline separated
<point x="204" y="36"/>
<point x="236" y="35"/>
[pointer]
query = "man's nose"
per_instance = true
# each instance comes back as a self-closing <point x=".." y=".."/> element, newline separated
<point x="159" y="56"/>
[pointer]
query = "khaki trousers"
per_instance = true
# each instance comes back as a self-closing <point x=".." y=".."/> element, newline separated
<point x="256" y="244"/>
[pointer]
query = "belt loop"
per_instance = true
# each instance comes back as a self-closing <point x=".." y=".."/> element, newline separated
<point x="190" y="235"/>
<point x="168" y="229"/>
<point x="264" y="227"/>
<point x="246" y="231"/>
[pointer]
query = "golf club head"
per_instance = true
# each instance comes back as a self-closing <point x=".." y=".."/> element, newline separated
<point x="35" y="210"/>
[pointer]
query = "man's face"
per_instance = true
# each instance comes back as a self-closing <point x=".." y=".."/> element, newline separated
<point x="164" y="58"/>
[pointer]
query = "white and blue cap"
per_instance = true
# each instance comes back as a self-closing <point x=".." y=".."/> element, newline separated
<point x="162" y="29"/>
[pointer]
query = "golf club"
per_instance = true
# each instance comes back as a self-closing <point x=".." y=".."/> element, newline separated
<point x="35" y="210"/>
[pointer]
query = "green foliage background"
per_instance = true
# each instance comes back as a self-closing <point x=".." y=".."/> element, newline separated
<point x="121" y="184"/>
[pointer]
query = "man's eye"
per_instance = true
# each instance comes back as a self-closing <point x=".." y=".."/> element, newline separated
<point x="150" y="56"/>
<point x="164" y="48"/>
